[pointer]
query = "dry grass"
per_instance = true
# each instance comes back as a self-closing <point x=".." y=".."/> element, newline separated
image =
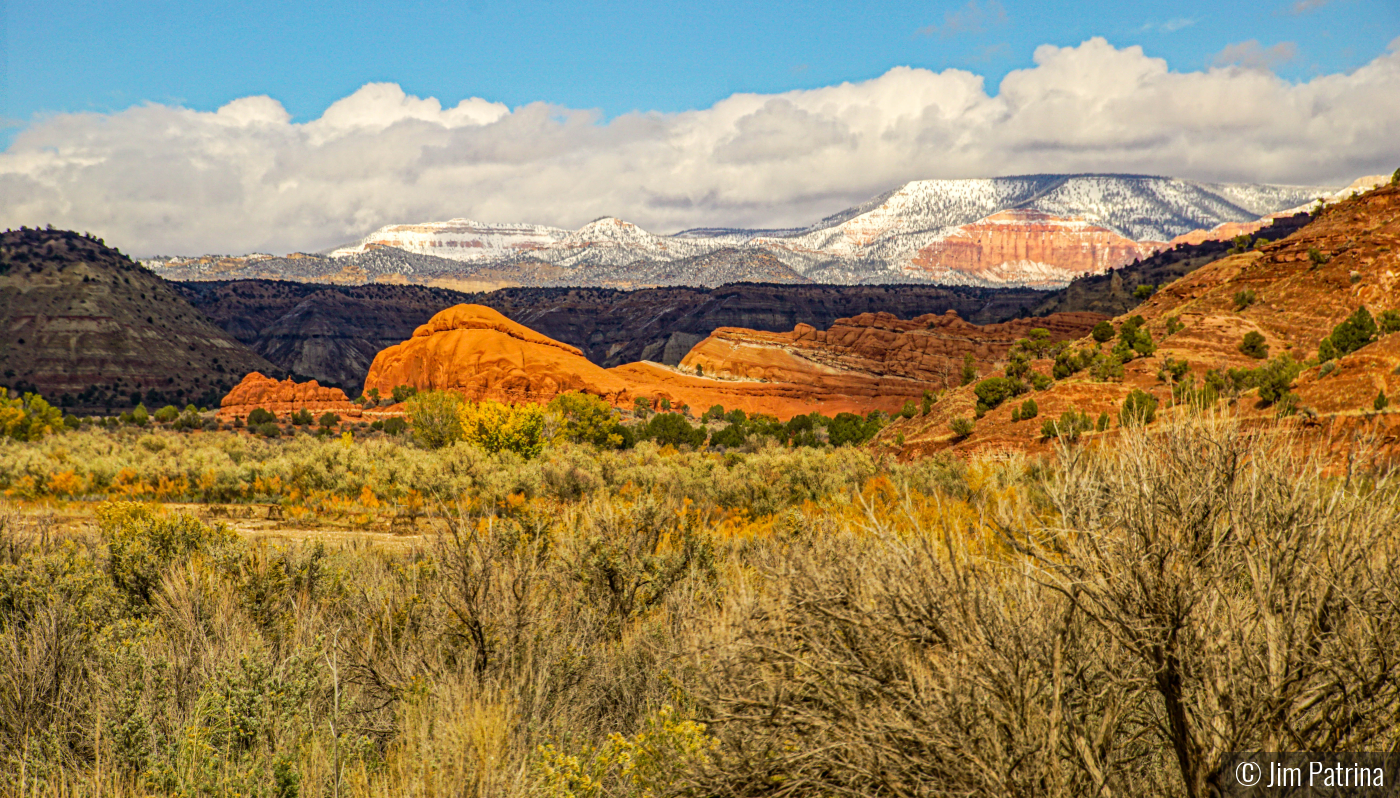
<point x="657" y="623"/>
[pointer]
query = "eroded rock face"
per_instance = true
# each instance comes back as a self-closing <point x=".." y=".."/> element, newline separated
<point x="1300" y="287"/>
<point x="481" y="354"/>
<point x="1024" y="247"/>
<point x="875" y="353"/>
<point x="283" y="398"/>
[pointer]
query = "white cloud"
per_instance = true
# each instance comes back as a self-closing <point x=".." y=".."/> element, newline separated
<point x="159" y="179"/>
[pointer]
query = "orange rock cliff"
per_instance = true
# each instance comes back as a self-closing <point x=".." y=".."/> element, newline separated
<point x="859" y="365"/>
<point x="283" y="398"/>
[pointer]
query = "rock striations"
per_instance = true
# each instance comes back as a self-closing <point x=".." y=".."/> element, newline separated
<point x="94" y="332"/>
<point x="1292" y="293"/>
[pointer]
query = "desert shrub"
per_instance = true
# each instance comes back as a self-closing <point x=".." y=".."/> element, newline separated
<point x="1174" y="325"/>
<point x="1275" y="378"/>
<point x="1173" y="370"/>
<point x="1106" y="368"/>
<point x="1018" y="365"/>
<point x="260" y="416"/>
<point x="992" y="391"/>
<point x="1316" y="256"/>
<point x="1102" y="424"/>
<point x="1103" y="332"/>
<point x="1029" y="409"/>
<point x="138" y="416"/>
<point x="909" y="410"/>
<point x="961" y="427"/>
<point x="328" y="420"/>
<point x="1139" y="408"/>
<point x="28" y="417"/>
<point x="497" y="427"/>
<point x="969" y="369"/>
<point x="672" y="429"/>
<point x="402" y="393"/>
<point x="1144" y="291"/>
<point x="586" y="418"/>
<point x="1253" y="345"/>
<point x="730" y="437"/>
<point x="395" y="425"/>
<point x="926" y="403"/>
<point x="142" y="541"/>
<point x="167" y="414"/>
<point x="849" y="428"/>
<point x="434" y="417"/>
<point x="302" y="418"/>
<point x="1388" y="322"/>
<point x="268" y="430"/>
<point x="1358" y="330"/>
<point x="1069" y="426"/>
<point x="1070" y="362"/>
<point x="715" y="413"/>
<point x="1244" y="298"/>
<point x="1381" y="402"/>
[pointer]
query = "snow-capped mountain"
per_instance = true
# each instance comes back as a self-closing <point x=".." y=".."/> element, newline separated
<point x="458" y="239"/>
<point x="1034" y="230"/>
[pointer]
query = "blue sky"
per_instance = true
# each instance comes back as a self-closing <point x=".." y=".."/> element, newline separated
<point x="67" y="56"/>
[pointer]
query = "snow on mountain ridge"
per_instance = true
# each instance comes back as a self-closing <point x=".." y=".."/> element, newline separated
<point x="878" y="239"/>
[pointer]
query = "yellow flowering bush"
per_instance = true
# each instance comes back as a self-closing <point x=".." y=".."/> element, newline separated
<point x="496" y="427"/>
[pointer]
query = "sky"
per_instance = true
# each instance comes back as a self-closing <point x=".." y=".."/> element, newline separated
<point x="190" y="127"/>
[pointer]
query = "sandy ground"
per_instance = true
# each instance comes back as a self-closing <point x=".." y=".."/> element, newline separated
<point x="253" y="521"/>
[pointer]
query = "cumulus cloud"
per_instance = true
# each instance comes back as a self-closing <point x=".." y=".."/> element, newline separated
<point x="160" y="179"/>
<point x="1251" y="55"/>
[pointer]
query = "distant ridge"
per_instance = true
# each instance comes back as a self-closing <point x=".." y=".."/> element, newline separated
<point x="1037" y="231"/>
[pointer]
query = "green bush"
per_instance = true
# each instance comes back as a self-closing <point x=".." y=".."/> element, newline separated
<point x="961" y="427"/>
<point x="849" y="428"/>
<point x="969" y="369"/>
<point x="586" y="418"/>
<point x="1103" y="332"/>
<point x="1244" y="299"/>
<point x="1138" y="408"/>
<point x="167" y="414"/>
<point x="1174" y="325"/>
<point x="1389" y="322"/>
<point x="1029" y="409"/>
<point x="926" y="405"/>
<point x="1070" y="425"/>
<point x="402" y="393"/>
<point x="1380" y="403"/>
<point x="1106" y="368"/>
<point x="260" y="416"/>
<point x="328" y="420"/>
<point x="1144" y="291"/>
<point x="730" y="437"/>
<point x="268" y="430"/>
<point x="395" y="425"/>
<point x="1253" y="345"/>
<point x="1358" y="330"/>
<point x="1070" y="362"/>
<point x="433" y="415"/>
<point x="302" y="418"/>
<point x="909" y="410"/>
<point x="1316" y="257"/>
<point x="715" y="413"/>
<point x="992" y="391"/>
<point x="672" y="429"/>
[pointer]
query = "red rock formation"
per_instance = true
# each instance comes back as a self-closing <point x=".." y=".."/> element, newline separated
<point x="874" y="353"/>
<point x="873" y="361"/>
<point x="1046" y="249"/>
<point x="1298" y="301"/>
<point x="284" y="398"/>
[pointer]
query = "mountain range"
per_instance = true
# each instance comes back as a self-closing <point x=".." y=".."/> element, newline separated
<point x="1036" y="231"/>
